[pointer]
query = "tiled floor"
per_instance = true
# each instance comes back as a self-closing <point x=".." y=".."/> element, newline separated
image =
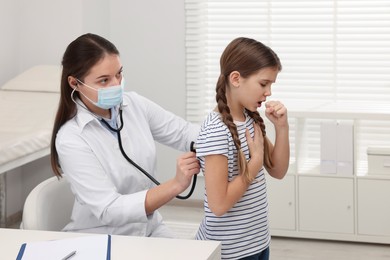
<point x="185" y="221"/>
<point x="307" y="249"/>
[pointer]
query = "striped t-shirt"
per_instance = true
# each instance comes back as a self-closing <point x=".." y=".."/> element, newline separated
<point x="243" y="230"/>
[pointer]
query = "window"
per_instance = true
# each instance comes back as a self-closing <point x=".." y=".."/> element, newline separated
<point x="331" y="51"/>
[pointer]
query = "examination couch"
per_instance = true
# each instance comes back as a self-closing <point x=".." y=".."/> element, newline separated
<point x="28" y="103"/>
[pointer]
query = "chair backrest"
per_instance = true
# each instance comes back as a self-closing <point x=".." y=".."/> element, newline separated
<point x="48" y="206"/>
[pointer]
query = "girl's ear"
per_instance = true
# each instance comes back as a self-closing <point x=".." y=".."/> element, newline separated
<point x="72" y="82"/>
<point x="234" y="78"/>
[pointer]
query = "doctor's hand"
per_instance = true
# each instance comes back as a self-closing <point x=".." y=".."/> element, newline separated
<point x="187" y="165"/>
<point x="276" y="112"/>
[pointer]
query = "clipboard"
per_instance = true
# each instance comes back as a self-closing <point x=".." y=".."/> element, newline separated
<point x="97" y="247"/>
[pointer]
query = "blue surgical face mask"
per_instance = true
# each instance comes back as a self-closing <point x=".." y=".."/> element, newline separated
<point x="107" y="97"/>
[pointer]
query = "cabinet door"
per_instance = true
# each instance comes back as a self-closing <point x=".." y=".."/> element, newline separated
<point x="326" y="204"/>
<point x="281" y="200"/>
<point x="373" y="207"/>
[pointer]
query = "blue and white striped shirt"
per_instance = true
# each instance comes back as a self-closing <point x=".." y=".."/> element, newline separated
<point x="243" y="230"/>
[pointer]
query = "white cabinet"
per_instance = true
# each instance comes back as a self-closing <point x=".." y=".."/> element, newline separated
<point x="347" y="208"/>
<point x="326" y="204"/>
<point x="373" y="203"/>
<point x="308" y="203"/>
<point x="281" y="201"/>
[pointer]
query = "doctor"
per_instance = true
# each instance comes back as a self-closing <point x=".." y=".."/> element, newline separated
<point x="112" y="196"/>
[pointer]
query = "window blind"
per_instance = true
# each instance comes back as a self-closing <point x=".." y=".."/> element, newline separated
<point x="331" y="51"/>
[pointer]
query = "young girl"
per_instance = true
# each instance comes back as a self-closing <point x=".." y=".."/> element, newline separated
<point x="234" y="150"/>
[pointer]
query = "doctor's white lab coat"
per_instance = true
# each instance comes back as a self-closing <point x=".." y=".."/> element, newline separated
<point x="110" y="192"/>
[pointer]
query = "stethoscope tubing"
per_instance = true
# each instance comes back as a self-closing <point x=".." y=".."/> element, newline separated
<point x="118" y="130"/>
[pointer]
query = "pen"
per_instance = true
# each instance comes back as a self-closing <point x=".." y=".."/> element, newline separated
<point x="70" y="255"/>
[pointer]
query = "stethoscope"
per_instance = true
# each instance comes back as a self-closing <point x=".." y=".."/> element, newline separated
<point x="118" y="131"/>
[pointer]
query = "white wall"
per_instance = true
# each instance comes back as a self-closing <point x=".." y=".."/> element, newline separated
<point x="153" y="55"/>
<point x="148" y="33"/>
<point x="9" y="31"/>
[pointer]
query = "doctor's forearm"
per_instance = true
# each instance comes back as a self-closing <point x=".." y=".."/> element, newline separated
<point x="160" y="195"/>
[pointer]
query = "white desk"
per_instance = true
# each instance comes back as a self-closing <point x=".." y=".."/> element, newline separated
<point x="122" y="247"/>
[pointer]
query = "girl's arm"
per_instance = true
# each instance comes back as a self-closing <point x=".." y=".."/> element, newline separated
<point x="276" y="112"/>
<point x="222" y="194"/>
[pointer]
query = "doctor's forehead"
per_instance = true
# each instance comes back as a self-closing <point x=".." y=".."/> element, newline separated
<point x="109" y="65"/>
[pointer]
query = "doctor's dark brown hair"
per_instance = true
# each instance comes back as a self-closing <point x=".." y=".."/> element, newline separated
<point x="79" y="57"/>
<point x="247" y="56"/>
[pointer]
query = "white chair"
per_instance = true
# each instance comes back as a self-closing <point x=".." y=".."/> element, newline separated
<point x="48" y="206"/>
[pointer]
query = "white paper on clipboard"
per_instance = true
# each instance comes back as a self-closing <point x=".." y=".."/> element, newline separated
<point x="97" y="247"/>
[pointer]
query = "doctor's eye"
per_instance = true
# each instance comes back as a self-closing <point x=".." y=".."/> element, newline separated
<point x="120" y="74"/>
<point x="103" y="81"/>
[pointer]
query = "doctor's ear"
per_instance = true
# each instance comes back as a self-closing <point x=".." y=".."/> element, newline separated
<point x="73" y="82"/>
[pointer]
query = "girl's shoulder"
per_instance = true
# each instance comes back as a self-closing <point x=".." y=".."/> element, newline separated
<point x="214" y="128"/>
<point x="213" y="120"/>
